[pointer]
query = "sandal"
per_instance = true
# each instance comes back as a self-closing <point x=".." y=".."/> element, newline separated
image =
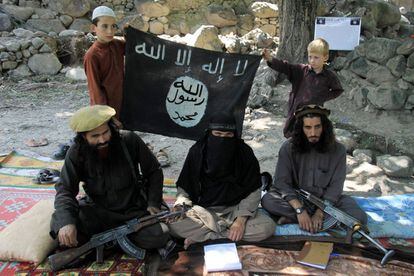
<point x="33" y="143"/>
<point x="47" y="176"/>
<point x="163" y="158"/>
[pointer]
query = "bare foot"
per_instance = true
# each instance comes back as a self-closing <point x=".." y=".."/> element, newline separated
<point x="188" y="242"/>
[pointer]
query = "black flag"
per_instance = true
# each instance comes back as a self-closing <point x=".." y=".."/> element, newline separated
<point x="173" y="89"/>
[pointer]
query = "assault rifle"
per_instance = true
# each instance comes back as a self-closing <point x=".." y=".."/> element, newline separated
<point x="119" y="234"/>
<point x="352" y="224"/>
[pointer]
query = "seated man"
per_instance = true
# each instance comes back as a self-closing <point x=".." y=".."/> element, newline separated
<point x="221" y="181"/>
<point x="109" y="163"/>
<point x="314" y="161"/>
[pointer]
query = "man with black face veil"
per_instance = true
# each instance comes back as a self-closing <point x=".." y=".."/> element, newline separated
<point x="314" y="161"/>
<point x="220" y="180"/>
<point x="108" y="162"/>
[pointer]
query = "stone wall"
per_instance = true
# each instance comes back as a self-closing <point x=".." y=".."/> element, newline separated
<point x="65" y="21"/>
<point x="380" y="74"/>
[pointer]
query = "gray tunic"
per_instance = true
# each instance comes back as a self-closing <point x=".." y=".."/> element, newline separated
<point x="322" y="174"/>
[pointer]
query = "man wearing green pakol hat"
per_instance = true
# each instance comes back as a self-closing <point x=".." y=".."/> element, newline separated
<point x="110" y="164"/>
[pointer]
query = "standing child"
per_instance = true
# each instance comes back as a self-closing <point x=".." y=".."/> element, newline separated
<point x="311" y="83"/>
<point x="104" y="61"/>
<point x="104" y="67"/>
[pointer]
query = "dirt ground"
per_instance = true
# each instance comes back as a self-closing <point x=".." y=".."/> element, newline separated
<point x="40" y="108"/>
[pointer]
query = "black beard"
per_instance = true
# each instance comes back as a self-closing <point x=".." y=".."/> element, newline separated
<point x="95" y="152"/>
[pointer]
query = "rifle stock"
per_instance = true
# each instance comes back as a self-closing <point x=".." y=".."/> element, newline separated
<point x="60" y="260"/>
<point x="352" y="223"/>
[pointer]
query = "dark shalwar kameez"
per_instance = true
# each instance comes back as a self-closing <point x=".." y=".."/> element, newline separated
<point x="308" y="87"/>
<point x="112" y="194"/>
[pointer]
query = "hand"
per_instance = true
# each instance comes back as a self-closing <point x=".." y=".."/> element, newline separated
<point x="67" y="235"/>
<point x="305" y="222"/>
<point x="317" y="220"/>
<point x="266" y="55"/>
<point x="237" y="229"/>
<point x="153" y="210"/>
<point x="176" y="208"/>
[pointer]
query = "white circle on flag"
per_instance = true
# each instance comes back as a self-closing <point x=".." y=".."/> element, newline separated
<point x="186" y="101"/>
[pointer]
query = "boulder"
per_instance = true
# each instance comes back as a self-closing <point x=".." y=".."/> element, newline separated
<point x="264" y="10"/>
<point x="37" y="42"/>
<point x="361" y="66"/>
<point x="220" y="16"/>
<point x="230" y="30"/>
<point x="387" y="96"/>
<point x="77" y="73"/>
<point x="379" y="14"/>
<point x="231" y="43"/>
<point x="9" y="64"/>
<point x="156" y="27"/>
<point x="138" y="23"/>
<point x="381" y="49"/>
<point x="44" y="14"/>
<point x="397" y="65"/>
<point x="409" y="75"/>
<point x="206" y="37"/>
<point x="22" y="33"/>
<point x="271" y="29"/>
<point x="5" y="23"/>
<point x="380" y="74"/>
<point x="346" y="138"/>
<point x="410" y="61"/>
<point x="46" y="25"/>
<point x="398" y="166"/>
<point x="81" y="24"/>
<point x="410" y="102"/>
<point x="20" y="13"/>
<point x="74" y="8"/>
<point x="66" y="20"/>
<point x="180" y="5"/>
<point x="406" y="48"/>
<point x="151" y="9"/>
<point x="47" y="64"/>
<point x="71" y="33"/>
<point x="246" y="22"/>
<point x="21" y="71"/>
<point x="363" y="155"/>
<point x="359" y="95"/>
<point x="12" y="45"/>
<point x="339" y="63"/>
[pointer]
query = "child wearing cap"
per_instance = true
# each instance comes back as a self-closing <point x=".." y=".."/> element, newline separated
<point x="104" y="61"/>
<point x="311" y="83"/>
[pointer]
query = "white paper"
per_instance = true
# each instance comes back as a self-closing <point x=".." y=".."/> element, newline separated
<point x="342" y="33"/>
<point x="221" y="257"/>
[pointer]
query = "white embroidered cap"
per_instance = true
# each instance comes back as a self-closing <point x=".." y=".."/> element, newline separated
<point x="102" y="11"/>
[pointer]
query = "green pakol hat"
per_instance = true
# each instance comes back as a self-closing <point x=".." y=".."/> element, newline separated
<point x="91" y="117"/>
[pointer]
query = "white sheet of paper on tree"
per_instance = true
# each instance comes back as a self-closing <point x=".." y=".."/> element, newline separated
<point x="342" y="33"/>
<point x="221" y="257"/>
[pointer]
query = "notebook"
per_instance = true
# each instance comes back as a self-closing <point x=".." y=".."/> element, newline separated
<point x="221" y="257"/>
<point x="315" y="254"/>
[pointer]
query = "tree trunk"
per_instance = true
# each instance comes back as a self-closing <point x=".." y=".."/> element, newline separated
<point x="296" y="22"/>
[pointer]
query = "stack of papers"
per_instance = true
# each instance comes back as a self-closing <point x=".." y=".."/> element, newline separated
<point x="315" y="254"/>
<point x="221" y="257"/>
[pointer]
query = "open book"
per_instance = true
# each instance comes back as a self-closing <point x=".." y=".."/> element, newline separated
<point x="221" y="257"/>
<point x="315" y="254"/>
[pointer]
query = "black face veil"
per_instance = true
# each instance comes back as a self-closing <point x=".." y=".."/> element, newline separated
<point x="220" y="171"/>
